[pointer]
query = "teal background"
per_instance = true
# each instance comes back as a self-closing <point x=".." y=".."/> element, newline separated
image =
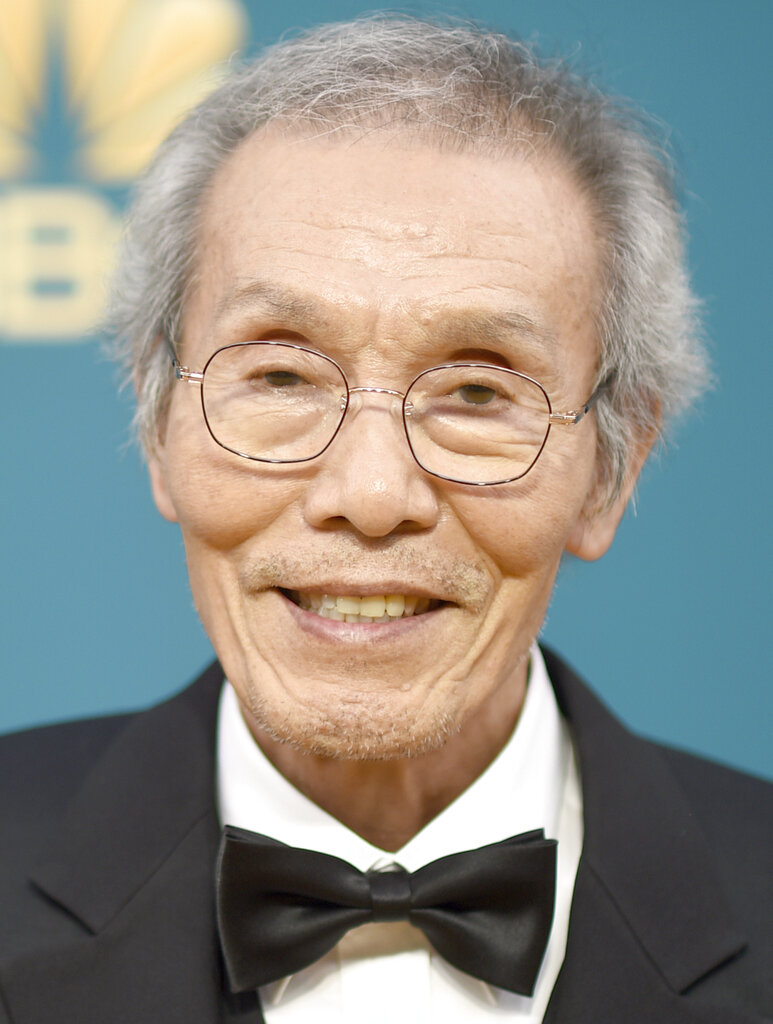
<point x="673" y="626"/>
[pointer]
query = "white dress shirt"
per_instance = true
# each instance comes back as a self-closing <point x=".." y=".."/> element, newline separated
<point x="388" y="972"/>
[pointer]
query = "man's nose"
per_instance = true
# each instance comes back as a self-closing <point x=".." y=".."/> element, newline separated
<point x="368" y="476"/>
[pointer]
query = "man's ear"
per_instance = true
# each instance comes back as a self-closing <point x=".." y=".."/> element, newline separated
<point x="595" y="529"/>
<point x="160" y="486"/>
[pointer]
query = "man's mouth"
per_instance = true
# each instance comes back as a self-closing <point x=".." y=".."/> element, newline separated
<point x="353" y="608"/>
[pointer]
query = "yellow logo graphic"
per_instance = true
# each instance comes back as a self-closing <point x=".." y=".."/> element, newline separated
<point x="59" y="243"/>
<point x="22" y="57"/>
<point x="90" y="87"/>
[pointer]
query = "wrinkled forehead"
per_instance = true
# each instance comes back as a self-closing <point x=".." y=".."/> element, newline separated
<point x="357" y="223"/>
<point x="416" y="148"/>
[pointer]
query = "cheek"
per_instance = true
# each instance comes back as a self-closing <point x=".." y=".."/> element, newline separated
<point x="518" y="542"/>
<point x="524" y="528"/>
<point x="220" y="499"/>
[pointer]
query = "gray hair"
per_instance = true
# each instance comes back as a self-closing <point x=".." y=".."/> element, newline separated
<point x="462" y="87"/>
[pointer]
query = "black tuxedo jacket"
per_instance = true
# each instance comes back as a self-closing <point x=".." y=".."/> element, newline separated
<point x="109" y="836"/>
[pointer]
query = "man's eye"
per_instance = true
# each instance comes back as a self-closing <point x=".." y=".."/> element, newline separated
<point x="283" y="378"/>
<point x="476" y="394"/>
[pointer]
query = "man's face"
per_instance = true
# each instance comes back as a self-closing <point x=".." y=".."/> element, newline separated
<point x="390" y="257"/>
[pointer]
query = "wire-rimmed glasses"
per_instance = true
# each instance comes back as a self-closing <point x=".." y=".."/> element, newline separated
<point x="467" y="422"/>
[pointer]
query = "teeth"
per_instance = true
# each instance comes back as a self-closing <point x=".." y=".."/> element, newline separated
<point x="395" y="605"/>
<point x="374" y="608"/>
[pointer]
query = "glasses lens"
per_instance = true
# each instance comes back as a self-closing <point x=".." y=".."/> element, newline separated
<point x="272" y="401"/>
<point x="476" y="423"/>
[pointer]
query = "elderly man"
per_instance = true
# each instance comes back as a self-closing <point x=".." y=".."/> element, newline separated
<point x="405" y="309"/>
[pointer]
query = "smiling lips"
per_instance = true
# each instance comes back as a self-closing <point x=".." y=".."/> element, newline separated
<point x="373" y="608"/>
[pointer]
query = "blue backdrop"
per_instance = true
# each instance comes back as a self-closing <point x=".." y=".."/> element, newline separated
<point x="672" y="626"/>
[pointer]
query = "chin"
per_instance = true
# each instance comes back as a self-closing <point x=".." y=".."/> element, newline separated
<point x="353" y="732"/>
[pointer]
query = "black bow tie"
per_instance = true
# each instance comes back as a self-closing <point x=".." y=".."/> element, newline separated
<point x="487" y="911"/>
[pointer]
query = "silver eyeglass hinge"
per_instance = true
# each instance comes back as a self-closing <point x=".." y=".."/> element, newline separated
<point x="183" y="373"/>
<point x="564" y="417"/>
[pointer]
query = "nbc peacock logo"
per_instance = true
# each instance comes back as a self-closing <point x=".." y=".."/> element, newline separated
<point x="88" y="88"/>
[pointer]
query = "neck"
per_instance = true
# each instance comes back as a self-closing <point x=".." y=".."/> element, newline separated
<point x="388" y="802"/>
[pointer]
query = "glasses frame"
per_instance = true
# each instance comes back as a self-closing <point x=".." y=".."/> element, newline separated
<point x="561" y="419"/>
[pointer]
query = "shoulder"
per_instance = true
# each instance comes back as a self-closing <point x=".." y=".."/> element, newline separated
<point x="727" y="793"/>
<point x="624" y="771"/>
<point x="663" y="799"/>
<point x="42" y="768"/>
<point x="680" y="848"/>
<point x="734" y="811"/>
<point x="51" y="758"/>
<point x="733" y="795"/>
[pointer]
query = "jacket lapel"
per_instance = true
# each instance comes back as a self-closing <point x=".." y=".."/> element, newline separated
<point x="649" y="920"/>
<point x="127" y="882"/>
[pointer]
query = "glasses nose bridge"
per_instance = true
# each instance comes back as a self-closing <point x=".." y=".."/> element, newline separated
<point x="378" y="391"/>
<point x="368" y="389"/>
<point x="400" y="406"/>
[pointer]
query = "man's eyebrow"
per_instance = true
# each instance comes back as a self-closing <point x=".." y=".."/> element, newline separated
<point x="481" y="327"/>
<point x="267" y="297"/>
<point x="473" y="327"/>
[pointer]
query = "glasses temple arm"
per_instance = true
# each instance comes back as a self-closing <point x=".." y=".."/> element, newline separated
<point x="179" y="369"/>
<point x="603" y="386"/>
